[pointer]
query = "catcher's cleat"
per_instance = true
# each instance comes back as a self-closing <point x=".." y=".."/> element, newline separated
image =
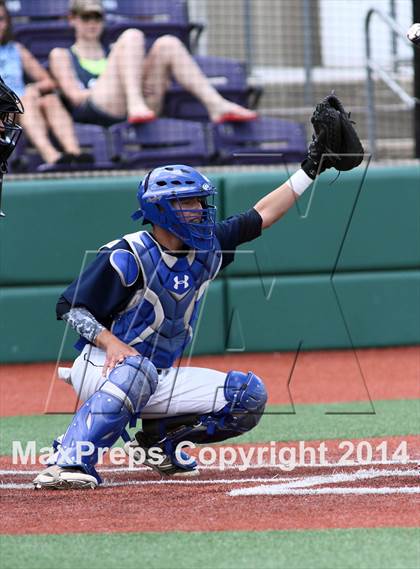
<point x="58" y="478"/>
<point x="167" y="466"/>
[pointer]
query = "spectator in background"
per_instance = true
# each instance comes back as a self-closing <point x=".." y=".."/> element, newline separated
<point x="43" y="108"/>
<point x="124" y="83"/>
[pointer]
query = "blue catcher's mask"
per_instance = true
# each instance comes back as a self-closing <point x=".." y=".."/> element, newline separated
<point x="168" y="184"/>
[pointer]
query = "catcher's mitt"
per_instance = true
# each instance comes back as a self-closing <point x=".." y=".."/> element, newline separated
<point x="335" y="143"/>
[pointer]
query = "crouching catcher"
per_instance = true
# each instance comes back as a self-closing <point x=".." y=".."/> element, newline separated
<point x="136" y="305"/>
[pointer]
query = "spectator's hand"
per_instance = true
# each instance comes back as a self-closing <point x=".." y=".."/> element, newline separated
<point x="83" y="96"/>
<point x="32" y="90"/>
<point x="46" y="86"/>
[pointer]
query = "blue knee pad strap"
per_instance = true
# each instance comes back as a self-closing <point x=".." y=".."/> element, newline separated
<point x="104" y="416"/>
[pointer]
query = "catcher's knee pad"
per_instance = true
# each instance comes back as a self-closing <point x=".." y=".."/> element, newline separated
<point x="245" y="391"/>
<point x="246" y="398"/>
<point x="97" y="424"/>
<point x="104" y="416"/>
<point x="134" y="381"/>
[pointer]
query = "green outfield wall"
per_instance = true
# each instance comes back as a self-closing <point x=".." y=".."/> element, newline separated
<point x="341" y="269"/>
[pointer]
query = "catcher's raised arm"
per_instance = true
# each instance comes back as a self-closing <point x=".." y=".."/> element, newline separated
<point x="335" y="144"/>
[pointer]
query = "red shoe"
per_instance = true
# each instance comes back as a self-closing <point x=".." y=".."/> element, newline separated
<point x="235" y="117"/>
<point x="140" y="119"/>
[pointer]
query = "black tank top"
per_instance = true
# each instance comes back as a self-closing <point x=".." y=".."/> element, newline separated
<point x="87" y="78"/>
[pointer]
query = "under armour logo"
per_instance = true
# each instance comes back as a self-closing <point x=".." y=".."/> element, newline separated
<point x="184" y="282"/>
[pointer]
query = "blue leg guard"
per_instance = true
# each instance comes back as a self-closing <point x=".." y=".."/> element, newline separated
<point x="104" y="416"/>
<point x="246" y="396"/>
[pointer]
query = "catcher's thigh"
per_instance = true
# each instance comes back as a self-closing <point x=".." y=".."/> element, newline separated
<point x="180" y="391"/>
<point x="187" y="390"/>
<point x="86" y="373"/>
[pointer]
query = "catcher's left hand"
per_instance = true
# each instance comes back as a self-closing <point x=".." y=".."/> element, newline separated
<point x="335" y="143"/>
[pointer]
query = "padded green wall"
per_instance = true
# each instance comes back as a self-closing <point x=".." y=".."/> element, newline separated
<point x="30" y="331"/>
<point x="383" y="233"/>
<point x="315" y="312"/>
<point x="277" y="294"/>
<point x="51" y="224"/>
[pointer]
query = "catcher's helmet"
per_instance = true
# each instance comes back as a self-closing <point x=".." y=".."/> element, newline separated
<point x="161" y="187"/>
<point x="10" y="131"/>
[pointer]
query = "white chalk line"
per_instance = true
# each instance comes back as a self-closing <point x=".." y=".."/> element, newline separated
<point x="272" y="490"/>
<point x="345" y="490"/>
<point x="174" y="481"/>
<point x="288" y="487"/>
<point x="239" y="468"/>
<point x="350" y="477"/>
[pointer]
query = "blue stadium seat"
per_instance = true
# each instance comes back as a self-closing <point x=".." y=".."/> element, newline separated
<point x="155" y="18"/>
<point x="92" y="138"/>
<point x="161" y="141"/>
<point x="37" y="9"/>
<point x="263" y="141"/>
<point x="41" y="33"/>
<point x="41" y="37"/>
<point x="175" y="11"/>
<point x="96" y="140"/>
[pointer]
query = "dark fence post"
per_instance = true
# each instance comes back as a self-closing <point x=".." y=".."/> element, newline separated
<point x="416" y="18"/>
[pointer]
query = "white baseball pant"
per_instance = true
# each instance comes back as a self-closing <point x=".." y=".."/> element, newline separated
<point x="180" y="391"/>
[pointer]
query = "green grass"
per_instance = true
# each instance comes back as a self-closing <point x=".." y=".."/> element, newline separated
<point x="386" y="548"/>
<point x="313" y="422"/>
<point x="310" y="422"/>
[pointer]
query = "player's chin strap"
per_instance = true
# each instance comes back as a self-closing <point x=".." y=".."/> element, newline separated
<point x="246" y="396"/>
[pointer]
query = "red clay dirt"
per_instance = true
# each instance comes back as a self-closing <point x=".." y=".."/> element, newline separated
<point x="318" y="377"/>
<point x="142" y="503"/>
<point x="132" y="501"/>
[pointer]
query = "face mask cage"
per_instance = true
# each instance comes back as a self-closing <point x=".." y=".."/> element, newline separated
<point x="9" y="101"/>
<point x="194" y="226"/>
<point x="10" y="133"/>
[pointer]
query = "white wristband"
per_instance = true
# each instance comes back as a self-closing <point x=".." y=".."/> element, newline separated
<point x="299" y="182"/>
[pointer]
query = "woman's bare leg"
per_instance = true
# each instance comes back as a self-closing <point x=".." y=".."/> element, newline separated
<point x="35" y="127"/>
<point x="168" y="56"/>
<point x="118" y="91"/>
<point x="60" y="122"/>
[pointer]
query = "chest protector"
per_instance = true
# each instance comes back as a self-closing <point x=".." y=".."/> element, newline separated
<point x="158" y="321"/>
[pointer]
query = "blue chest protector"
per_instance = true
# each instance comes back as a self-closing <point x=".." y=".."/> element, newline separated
<point x="158" y="321"/>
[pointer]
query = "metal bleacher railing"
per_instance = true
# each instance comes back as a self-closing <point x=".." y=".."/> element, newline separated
<point x="372" y="67"/>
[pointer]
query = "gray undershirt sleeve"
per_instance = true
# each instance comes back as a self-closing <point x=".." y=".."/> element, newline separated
<point x="85" y="324"/>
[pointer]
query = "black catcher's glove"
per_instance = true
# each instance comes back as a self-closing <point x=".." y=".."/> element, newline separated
<point x="335" y="143"/>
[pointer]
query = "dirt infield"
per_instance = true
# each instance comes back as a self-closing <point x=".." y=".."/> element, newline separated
<point x="318" y="377"/>
<point x="310" y="497"/>
<point x="383" y="492"/>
